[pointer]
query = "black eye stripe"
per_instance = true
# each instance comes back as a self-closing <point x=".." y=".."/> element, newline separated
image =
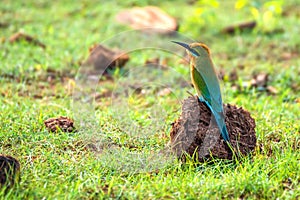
<point x="194" y="51"/>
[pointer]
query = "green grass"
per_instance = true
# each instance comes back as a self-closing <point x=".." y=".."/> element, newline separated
<point x="130" y="130"/>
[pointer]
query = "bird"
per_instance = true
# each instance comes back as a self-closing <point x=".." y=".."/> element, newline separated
<point x="205" y="81"/>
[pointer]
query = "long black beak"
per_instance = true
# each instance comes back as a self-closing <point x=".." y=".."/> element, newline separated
<point x="186" y="46"/>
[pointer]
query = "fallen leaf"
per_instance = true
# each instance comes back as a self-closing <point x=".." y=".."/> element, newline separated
<point x="260" y="80"/>
<point x="272" y="90"/>
<point x="164" y="92"/>
<point x="104" y="94"/>
<point x="158" y="63"/>
<point x="148" y="19"/>
<point x="289" y="55"/>
<point x="153" y="61"/>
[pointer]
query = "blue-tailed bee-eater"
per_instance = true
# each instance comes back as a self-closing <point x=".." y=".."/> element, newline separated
<point x="206" y="82"/>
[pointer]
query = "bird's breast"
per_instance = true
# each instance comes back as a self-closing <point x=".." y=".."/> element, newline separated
<point x="194" y="80"/>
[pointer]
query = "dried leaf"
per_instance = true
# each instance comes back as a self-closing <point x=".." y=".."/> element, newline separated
<point x="151" y="18"/>
<point x="272" y="90"/>
<point x="158" y="63"/>
<point x="164" y="92"/>
<point x="260" y="80"/>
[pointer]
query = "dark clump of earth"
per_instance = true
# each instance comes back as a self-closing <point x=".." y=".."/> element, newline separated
<point x="9" y="171"/>
<point x="195" y="133"/>
<point x="103" y="59"/>
<point x="64" y="124"/>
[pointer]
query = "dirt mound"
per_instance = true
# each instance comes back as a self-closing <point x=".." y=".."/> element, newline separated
<point x="9" y="171"/>
<point x="64" y="124"/>
<point x="195" y="133"/>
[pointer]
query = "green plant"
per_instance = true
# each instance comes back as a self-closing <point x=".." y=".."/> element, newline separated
<point x="203" y="16"/>
<point x="266" y="15"/>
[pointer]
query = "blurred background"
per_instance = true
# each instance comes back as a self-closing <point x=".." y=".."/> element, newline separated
<point x="111" y="66"/>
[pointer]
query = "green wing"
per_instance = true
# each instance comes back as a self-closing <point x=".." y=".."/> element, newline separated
<point x="201" y="86"/>
<point x="208" y="82"/>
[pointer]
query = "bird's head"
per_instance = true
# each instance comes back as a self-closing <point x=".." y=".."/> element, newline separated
<point x="195" y="50"/>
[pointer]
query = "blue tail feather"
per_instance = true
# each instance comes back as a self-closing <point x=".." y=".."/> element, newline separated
<point x="220" y="122"/>
<point x="224" y="133"/>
